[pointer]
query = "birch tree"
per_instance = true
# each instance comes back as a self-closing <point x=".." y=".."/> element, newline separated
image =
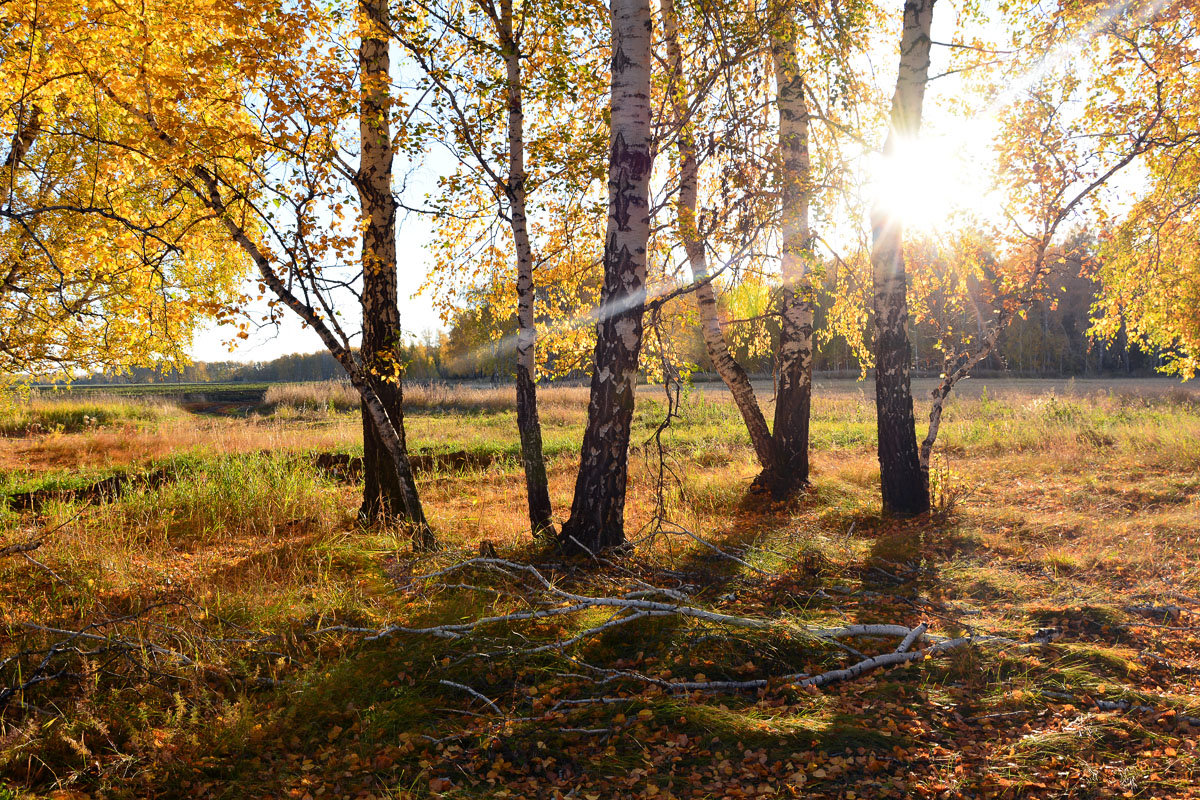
<point x="530" y="428"/>
<point x="904" y="483"/>
<point x="597" y="520"/>
<point x="797" y="297"/>
<point x="389" y="490"/>
<point x="244" y="109"/>
<point x="779" y="210"/>
<point x="680" y="96"/>
<point x="475" y="57"/>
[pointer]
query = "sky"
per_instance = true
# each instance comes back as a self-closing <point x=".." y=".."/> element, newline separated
<point x="417" y="314"/>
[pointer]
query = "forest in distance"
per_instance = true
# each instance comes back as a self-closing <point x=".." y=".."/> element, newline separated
<point x="812" y="412"/>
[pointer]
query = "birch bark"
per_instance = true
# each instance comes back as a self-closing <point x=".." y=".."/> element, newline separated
<point x="389" y="489"/>
<point x="597" y="517"/>
<point x="793" y="379"/>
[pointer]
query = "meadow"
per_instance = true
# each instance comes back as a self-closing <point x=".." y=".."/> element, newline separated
<point x="191" y="609"/>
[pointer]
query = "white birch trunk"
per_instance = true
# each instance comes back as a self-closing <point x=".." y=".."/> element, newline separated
<point x="528" y="422"/>
<point x="793" y="399"/>
<point x="598" y="510"/>
<point x="904" y="484"/>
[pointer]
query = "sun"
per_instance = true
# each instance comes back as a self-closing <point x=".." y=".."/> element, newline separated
<point x="932" y="183"/>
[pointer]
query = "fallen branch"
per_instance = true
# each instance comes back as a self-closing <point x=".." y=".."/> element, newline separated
<point x="802" y="679"/>
<point x="44" y="568"/>
<point x="1167" y="612"/>
<point x="911" y="637"/>
<point x="22" y="547"/>
<point x="114" y="643"/>
<point x="473" y="693"/>
<point x="1121" y="705"/>
<point x="864" y="630"/>
<point x="883" y="660"/>
<point x="630" y="607"/>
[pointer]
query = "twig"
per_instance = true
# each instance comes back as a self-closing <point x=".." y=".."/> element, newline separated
<point x="1119" y="705"/>
<point x="22" y="547"/>
<point x="113" y="642"/>
<point x="37" y="541"/>
<point x="679" y="529"/>
<point x="37" y="563"/>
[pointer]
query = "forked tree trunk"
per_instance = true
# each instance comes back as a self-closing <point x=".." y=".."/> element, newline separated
<point x="598" y="511"/>
<point x="715" y="344"/>
<point x="528" y="424"/>
<point x="793" y="379"/>
<point x="390" y="490"/>
<point x="904" y="483"/>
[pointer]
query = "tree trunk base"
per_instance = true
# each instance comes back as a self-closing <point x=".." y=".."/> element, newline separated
<point x="777" y="486"/>
<point x="383" y="496"/>
<point x="420" y="534"/>
<point x="541" y="521"/>
<point x="913" y="504"/>
<point x="573" y="540"/>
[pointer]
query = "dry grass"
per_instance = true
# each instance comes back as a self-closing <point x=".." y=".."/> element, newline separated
<point x="314" y="396"/>
<point x="341" y="396"/>
<point x="447" y="397"/>
<point x="42" y="413"/>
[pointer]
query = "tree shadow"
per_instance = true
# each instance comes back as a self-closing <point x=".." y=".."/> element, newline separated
<point x="903" y="570"/>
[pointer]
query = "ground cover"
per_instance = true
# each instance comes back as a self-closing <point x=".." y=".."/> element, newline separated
<point x="227" y="629"/>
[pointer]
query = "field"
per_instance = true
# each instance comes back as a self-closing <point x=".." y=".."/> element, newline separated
<point x="193" y="610"/>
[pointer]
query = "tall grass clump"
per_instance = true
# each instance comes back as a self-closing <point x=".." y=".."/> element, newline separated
<point x="313" y="396"/>
<point x="460" y="397"/>
<point x="248" y="494"/>
<point x="42" y="413"/>
<point x="432" y="397"/>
